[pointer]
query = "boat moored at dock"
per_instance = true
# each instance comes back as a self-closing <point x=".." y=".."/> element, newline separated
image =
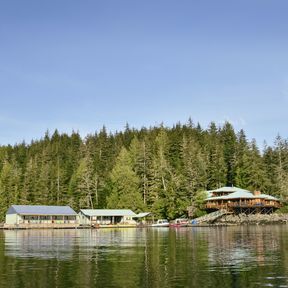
<point x="161" y="223"/>
<point x="180" y="222"/>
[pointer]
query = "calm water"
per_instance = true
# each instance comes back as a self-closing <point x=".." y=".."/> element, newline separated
<point x="157" y="257"/>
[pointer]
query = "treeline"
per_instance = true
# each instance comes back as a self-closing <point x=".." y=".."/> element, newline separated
<point x="159" y="169"/>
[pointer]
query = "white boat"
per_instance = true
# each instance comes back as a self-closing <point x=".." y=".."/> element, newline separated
<point x="161" y="223"/>
<point x="180" y="222"/>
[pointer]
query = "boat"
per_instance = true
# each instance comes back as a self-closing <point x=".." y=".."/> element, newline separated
<point x="161" y="223"/>
<point x="180" y="222"/>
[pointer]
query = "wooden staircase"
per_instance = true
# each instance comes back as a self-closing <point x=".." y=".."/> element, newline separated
<point x="208" y="218"/>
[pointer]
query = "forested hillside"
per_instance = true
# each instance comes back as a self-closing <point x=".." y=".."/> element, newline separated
<point x="156" y="169"/>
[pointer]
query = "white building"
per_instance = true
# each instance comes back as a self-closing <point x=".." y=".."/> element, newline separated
<point x="107" y="217"/>
<point x="41" y="216"/>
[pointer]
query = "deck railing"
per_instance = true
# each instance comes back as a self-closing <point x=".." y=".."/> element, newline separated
<point x="242" y="204"/>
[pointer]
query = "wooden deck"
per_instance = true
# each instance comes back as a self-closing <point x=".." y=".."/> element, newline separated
<point x="244" y="206"/>
<point x="119" y="225"/>
<point x="228" y="206"/>
<point x="41" y="226"/>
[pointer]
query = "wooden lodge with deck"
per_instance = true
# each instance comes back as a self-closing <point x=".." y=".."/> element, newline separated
<point x="238" y="200"/>
<point x="40" y="216"/>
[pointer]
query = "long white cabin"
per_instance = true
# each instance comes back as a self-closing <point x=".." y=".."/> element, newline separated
<point x="40" y="216"/>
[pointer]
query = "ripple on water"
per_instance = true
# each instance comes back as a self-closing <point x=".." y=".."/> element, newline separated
<point x="208" y="257"/>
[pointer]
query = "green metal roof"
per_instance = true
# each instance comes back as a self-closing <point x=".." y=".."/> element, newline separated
<point x="228" y="189"/>
<point x="108" y="212"/>
<point x="40" y="210"/>
<point x="234" y="195"/>
<point x="209" y="193"/>
<point x="269" y="197"/>
<point x="242" y="194"/>
<point x="143" y="214"/>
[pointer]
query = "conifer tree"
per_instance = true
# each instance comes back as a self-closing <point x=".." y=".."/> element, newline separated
<point x="228" y="139"/>
<point x="10" y="187"/>
<point x="217" y="168"/>
<point x="254" y="176"/>
<point x="83" y="185"/>
<point x="167" y="196"/>
<point x="194" y="168"/>
<point x="31" y="173"/>
<point x="160" y="169"/>
<point x="242" y="150"/>
<point x="125" y="184"/>
<point x="141" y="161"/>
<point x="281" y="167"/>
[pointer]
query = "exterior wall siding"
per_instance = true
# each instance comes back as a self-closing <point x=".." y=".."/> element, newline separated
<point x="105" y="220"/>
<point x="11" y="219"/>
<point x="15" y="219"/>
<point x="84" y="220"/>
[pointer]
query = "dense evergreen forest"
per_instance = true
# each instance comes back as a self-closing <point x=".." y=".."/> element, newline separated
<point x="156" y="169"/>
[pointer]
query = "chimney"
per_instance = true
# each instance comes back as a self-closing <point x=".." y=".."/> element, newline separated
<point x="257" y="193"/>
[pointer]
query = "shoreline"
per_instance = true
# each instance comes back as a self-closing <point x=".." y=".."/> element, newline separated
<point x="252" y="219"/>
<point x="225" y="220"/>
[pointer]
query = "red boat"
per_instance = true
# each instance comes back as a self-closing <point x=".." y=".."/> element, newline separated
<point x="180" y="222"/>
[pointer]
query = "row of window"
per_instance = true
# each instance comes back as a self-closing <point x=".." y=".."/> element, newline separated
<point x="30" y="217"/>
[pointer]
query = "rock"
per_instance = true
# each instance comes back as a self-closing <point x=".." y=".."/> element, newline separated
<point x="241" y="219"/>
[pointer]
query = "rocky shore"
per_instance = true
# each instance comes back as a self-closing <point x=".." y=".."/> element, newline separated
<point x="243" y="219"/>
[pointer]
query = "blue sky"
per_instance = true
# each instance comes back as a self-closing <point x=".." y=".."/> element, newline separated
<point x="83" y="64"/>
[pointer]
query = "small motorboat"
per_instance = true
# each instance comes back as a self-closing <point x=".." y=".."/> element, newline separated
<point x="161" y="223"/>
<point x="180" y="222"/>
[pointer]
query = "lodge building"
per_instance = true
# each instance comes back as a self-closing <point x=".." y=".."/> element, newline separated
<point x="238" y="200"/>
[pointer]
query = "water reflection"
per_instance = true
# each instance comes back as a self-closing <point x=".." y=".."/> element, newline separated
<point x="253" y="256"/>
<point x="243" y="247"/>
<point x="61" y="244"/>
<point x="40" y="243"/>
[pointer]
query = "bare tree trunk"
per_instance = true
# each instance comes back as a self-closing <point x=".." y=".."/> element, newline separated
<point x="96" y="189"/>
